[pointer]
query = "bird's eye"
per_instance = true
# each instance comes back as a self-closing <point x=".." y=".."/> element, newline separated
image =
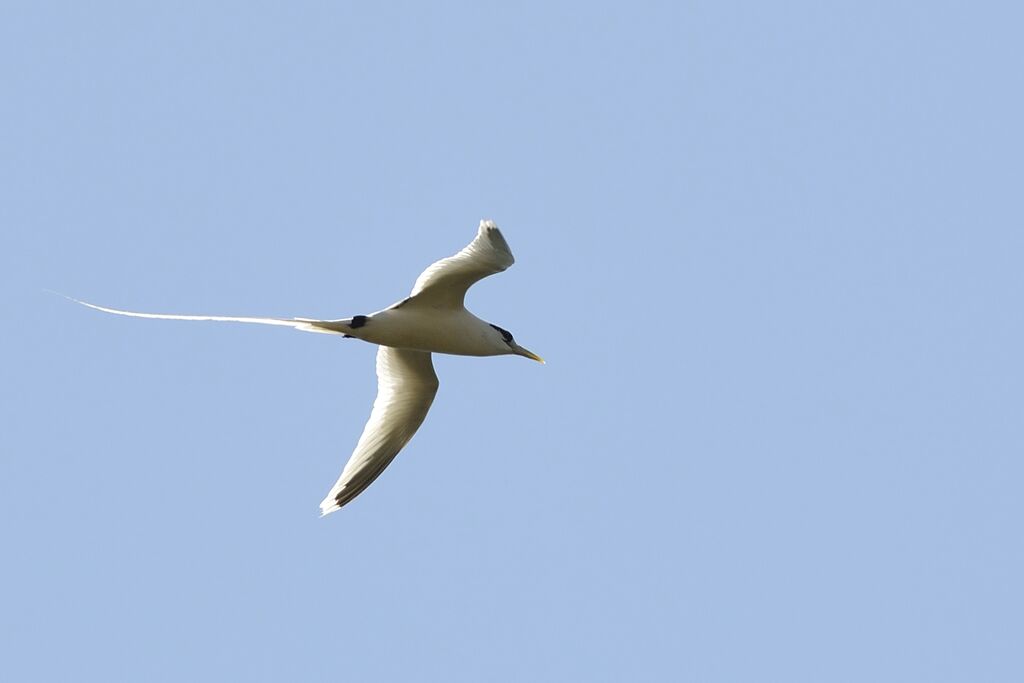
<point x="505" y="334"/>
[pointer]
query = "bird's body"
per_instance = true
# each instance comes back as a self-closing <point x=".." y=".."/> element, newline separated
<point x="421" y="327"/>
<point x="433" y="319"/>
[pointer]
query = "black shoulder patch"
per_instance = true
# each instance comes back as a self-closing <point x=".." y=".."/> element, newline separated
<point x="358" y="321"/>
<point x="505" y="334"/>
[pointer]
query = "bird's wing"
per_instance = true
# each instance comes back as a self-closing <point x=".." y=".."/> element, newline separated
<point x="305" y="324"/>
<point x="406" y="384"/>
<point x="444" y="283"/>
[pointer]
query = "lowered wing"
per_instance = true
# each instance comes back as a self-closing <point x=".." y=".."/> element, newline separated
<point x="406" y="385"/>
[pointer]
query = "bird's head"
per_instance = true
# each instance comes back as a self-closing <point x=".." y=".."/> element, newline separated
<point x="503" y="340"/>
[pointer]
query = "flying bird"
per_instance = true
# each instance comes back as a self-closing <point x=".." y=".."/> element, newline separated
<point x="432" y="319"/>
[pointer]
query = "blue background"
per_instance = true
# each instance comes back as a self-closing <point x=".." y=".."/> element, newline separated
<point x="771" y="251"/>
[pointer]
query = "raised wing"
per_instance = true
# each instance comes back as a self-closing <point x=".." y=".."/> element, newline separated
<point x="304" y="324"/>
<point x="406" y="385"/>
<point x="444" y="283"/>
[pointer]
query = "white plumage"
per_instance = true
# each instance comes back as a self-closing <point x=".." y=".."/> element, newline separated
<point x="432" y="320"/>
<point x="406" y="385"/>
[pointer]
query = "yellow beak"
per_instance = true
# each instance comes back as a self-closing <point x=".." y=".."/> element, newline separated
<point x="529" y="354"/>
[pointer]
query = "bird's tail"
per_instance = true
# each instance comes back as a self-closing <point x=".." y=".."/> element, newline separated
<point x="343" y="326"/>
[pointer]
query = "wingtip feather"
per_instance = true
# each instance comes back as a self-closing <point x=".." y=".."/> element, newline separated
<point x="328" y="506"/>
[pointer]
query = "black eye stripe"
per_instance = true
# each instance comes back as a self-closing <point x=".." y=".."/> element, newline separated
<point x="505" y="334"/>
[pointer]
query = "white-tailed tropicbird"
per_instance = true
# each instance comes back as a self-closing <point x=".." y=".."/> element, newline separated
<point x="433" y="319"/>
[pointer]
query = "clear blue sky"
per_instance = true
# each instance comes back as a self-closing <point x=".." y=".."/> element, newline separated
<point x="771" y="251"/>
